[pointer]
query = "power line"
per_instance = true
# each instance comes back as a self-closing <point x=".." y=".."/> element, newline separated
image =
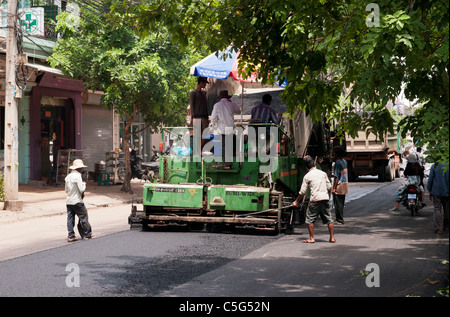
<point x="93" y="7"/>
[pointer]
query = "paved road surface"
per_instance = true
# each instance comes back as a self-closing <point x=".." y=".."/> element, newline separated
<point x="408" y="253"/>
<point x="123" y="262"/>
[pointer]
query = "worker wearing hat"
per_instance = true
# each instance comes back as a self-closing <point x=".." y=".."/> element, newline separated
<point x="75" y="188"/>
<point x="222" y="118"/>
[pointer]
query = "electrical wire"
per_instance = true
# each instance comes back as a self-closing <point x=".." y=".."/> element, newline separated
<point x="23" y="74"/>
<point x="94" y="7"/>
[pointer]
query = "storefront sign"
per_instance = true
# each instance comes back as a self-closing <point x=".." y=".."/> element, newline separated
<point x="32" y="21"/>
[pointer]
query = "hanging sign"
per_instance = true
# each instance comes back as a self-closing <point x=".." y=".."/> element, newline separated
<point x="32" y="21"/>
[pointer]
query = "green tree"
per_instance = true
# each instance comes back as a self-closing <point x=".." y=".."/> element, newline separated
<point x="139" y="75"/>
<point x="325" y="47"/>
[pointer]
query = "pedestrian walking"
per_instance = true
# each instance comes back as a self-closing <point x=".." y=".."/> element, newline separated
<point x="319" y="184"/>
<point x="340" y="184"/>
<point x="75" y="187"/>
<point x="438" y="185"/>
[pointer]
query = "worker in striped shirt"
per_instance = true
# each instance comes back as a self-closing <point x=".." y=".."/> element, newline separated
<point x="264" y="113"/>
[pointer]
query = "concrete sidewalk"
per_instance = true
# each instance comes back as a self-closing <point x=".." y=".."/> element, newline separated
<point x="51" y="200"/>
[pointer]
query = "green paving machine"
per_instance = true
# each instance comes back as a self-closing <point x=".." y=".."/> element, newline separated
<point x="194" y="190"/>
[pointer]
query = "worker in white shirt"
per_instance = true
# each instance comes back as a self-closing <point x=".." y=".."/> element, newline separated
<point x="319" y="184"/>
<point x="222" y="117"/>
<point x="75" y="188"/>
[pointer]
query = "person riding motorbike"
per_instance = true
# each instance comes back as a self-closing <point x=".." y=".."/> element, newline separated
<point x="414" y="175"/>
<point x="169" y="148"/>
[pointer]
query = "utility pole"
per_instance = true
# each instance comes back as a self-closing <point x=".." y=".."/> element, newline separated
<point x="11" y="114"/>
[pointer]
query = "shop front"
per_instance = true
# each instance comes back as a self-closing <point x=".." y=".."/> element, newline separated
<point x="56" y="113"/>
<point x="55" y="117"/>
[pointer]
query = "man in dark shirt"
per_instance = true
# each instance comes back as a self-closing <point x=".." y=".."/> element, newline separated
<point x="199" y="107"/>
<point x="437" y="186"/>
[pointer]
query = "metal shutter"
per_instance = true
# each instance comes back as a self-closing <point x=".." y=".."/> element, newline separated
<point x="97" y="134"/>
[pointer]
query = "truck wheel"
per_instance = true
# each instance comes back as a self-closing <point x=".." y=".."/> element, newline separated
<point x="390" y="171"/>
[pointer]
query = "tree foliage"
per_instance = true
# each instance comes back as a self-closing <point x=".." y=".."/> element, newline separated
<point x="147" y="76"/>
<point x="325" y="47"/>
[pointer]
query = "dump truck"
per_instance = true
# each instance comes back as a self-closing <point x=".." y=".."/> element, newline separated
<point x="368" y="155"/>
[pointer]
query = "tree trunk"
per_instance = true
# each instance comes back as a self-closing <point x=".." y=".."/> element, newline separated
<point x="126" y="186"/>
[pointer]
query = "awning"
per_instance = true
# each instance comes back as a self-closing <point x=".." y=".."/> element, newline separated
<point x="45" y="69"/>
<point x="221" y="65"/>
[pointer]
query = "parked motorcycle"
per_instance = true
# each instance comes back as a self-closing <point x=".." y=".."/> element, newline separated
<point x="135" y="160"/>
<point x="142" y="170"/>
<point x="411" y="199"/>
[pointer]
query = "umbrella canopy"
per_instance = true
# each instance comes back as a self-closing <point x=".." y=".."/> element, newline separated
<point x="221" y="65"/>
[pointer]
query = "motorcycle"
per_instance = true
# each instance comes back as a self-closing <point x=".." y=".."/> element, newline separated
<point x="411" y="199"/>
<point x="149" y="170"/>
<point x="136" y="171"/>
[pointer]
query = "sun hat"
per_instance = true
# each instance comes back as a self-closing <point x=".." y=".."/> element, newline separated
<point x="77" y="164"/>
<point x="224" y="94"/>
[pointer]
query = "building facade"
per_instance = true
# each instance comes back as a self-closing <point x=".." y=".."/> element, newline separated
<point x="55" y="111"/>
